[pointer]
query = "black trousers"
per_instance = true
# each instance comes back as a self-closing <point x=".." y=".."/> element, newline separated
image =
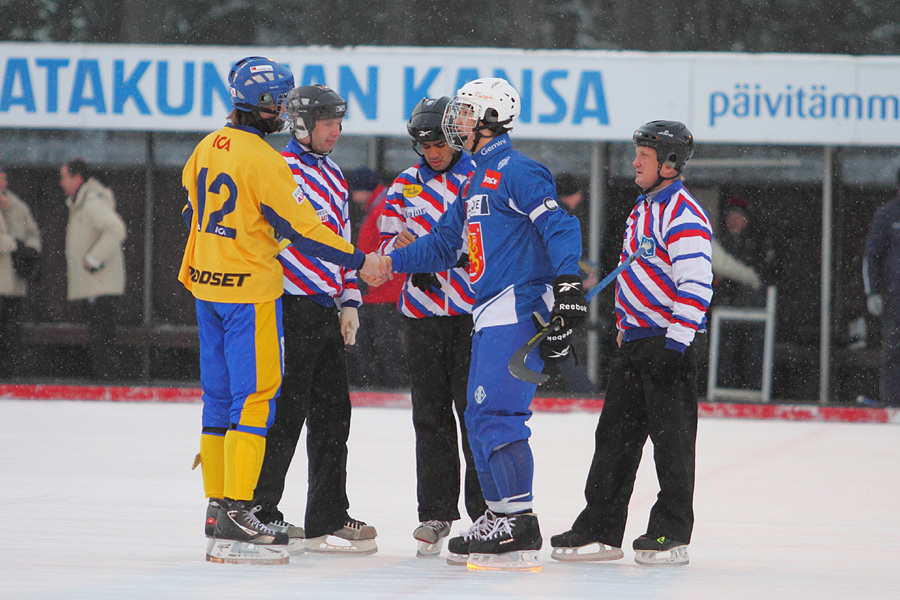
<point x="314" y="391"/>
<point x="438" y="353"/>
<point x="890" y="351"/>
<point x="638" y="405"/>
<point x="100" y="315"/>
<point x="11" y="309"/>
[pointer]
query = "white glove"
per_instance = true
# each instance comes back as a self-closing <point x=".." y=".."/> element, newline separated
<point x="349" y="325"/>
<point x="875" y="303"/>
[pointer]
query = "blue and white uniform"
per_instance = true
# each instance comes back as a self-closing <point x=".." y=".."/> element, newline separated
<point x="518" y="241"/>
<point x="667" y="293"/>
<point x="415" y="202"/>
<point x="324" y="185"/>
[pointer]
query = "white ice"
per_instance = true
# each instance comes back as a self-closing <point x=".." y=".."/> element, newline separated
<point x="97" y="500"/>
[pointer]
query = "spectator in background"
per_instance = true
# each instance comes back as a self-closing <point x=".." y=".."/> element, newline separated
<point x="95" y="262"/>
<point x="19" y="238"/>
<point x="740" y="346"/>
<point x="380" y="354"/>
<point x="881" y="279"/>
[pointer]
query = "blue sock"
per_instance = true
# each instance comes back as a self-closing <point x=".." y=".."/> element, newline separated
<point x="512" y="466"/>
<point x="488" y="487"/>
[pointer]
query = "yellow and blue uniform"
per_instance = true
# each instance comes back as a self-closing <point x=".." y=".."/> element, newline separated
<point x="241" y="199"/>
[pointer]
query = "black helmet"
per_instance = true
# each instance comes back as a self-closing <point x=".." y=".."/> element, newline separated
<point x="672" y="141"/>
<point x="425" y="123"/>
<point x="307" y="104"/>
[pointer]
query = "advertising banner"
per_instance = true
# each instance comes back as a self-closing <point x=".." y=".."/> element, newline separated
<point x="576" y="95"/>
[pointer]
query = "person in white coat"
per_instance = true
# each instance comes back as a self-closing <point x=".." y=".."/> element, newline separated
<point x="95" y="261"/>
<point x="19" y="235"/>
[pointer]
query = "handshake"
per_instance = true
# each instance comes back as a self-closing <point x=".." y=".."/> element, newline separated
<point x="377" y="269"/>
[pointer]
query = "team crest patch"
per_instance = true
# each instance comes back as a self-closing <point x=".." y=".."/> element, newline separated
<point x="491" y="179"/>
<point x="411" y="191"/>
<point x="480" y="395"/>
<point x="476" y="252"/>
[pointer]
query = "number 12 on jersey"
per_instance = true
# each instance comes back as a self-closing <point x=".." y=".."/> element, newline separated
<point x="214" y="225"/>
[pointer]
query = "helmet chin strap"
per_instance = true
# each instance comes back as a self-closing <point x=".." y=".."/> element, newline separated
<point x="659" y="179"/>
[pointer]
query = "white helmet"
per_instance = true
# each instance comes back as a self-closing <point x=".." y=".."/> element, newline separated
<point x="488" y="102"/>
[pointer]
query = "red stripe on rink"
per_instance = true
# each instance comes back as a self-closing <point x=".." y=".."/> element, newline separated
<point x="787" y="412"/>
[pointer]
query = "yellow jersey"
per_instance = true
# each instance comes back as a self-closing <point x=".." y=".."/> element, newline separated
<point x="241" y="198"/>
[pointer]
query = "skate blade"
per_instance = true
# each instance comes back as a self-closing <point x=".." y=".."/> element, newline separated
<point x="523" y="560"/>
<point x="296" y="547"/>
<point x="428" y="550"/>
<point x="457" y="560"/>
<point x="676" y="557"/>
<point x="332" y="544"/>
<point x="234" y="552"/>
<point x="589" y="553"/>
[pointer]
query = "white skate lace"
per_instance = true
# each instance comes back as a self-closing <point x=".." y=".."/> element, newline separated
<point x="434" y="524"/>
<point x="501" y="527"/>
<point x="480" y="527"/>
<point x="255" y="523"/>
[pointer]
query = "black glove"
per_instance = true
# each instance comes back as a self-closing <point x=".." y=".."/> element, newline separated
<point x="463" y="262"/>
<point x="557" y="346"/>
<point x="427" y="282"/>
<point x="568" y="296"/>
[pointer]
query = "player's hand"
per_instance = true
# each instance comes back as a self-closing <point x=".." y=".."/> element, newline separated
<point x="462" y="262"/>
<point x="427" y="282"/>
<point x="349" y="324"/>
<point x="373" y="271"/>
<point x="403" y="239"/>
<point x="875" y="304"/>
<point x="386" y="267"/>
<point x="569" y="304"/>
<point x="557" y="346"/>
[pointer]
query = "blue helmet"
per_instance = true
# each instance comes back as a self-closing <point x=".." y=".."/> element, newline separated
<point x="259" y="82"/>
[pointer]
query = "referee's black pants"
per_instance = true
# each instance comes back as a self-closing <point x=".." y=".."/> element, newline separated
<point x="640" y="403"/>
<point x="314" y="391"/>
<point x="438" y="354"/>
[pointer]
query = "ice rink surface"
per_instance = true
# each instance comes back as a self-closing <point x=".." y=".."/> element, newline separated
<point x="97" y="500"/>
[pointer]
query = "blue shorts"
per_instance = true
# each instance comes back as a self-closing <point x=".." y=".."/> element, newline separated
<point x="498" y="403"/>
<point x="241" y="363"/>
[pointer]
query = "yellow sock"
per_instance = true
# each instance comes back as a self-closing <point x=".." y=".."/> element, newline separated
<point x="212" y="461"/>
<point x="243" y="461"/>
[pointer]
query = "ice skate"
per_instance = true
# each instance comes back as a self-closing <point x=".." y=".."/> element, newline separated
<point x="512" y="544"/>
<point x="430" y="536"/>
<point x="572" y="546"/>
<point x="212" y="510"/>
<point x="295" y="535"/>
<point x="355" y="537"/>
<point x="659" y="551"/>
<point x="458" y="547"/>
<point x="241" y="539"/>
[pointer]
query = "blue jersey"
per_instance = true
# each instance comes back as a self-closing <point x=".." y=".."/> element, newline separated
<point x="519" y="239"/>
